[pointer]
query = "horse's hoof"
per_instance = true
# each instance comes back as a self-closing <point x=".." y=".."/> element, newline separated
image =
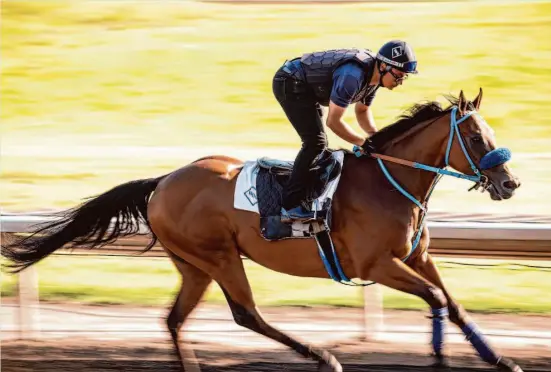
<point x="438" y="366"/>
<point x="329" y="364"/>
<point x="507" y="365"/>
<point x="441" y="363"/>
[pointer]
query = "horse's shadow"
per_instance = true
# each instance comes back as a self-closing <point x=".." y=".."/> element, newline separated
<point x="110" y="358"/>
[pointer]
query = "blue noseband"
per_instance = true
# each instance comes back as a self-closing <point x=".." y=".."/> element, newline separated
<point x="494" y="158"/>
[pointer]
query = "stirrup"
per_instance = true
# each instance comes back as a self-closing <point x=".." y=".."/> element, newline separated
<point x="315" y="216"/>
<point x="287" y="219"/>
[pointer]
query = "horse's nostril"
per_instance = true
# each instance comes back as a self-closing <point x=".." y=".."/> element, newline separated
<point x="511" y="184"/>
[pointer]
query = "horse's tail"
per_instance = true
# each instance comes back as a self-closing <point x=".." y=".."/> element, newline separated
<point x="97" y="222"/>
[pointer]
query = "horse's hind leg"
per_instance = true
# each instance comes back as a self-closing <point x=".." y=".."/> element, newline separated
<point x="194" y="284"/>
<point x="427" y="268"/>
<point x="235" y="285"/>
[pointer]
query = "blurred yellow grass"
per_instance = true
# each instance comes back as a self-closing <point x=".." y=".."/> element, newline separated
<point x="110" y="74"/>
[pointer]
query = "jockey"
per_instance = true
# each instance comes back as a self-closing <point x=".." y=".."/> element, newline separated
<point x="334" y="78"/>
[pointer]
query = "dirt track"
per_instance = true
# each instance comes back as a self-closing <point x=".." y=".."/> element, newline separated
<point x="256" y="367"/>
<point x="82" y="356"/>
<point x="69" y="343"/>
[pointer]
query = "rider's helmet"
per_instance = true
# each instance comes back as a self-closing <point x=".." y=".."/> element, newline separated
<point x="399" y="55"/>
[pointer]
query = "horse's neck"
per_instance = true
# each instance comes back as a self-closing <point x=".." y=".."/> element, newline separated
<point x="426" y="146"/>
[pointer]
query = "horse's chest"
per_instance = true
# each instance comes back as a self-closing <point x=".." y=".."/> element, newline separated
<point x="404" y="244"/>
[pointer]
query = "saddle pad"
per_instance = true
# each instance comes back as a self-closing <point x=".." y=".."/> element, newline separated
<point x="245" y="195"/>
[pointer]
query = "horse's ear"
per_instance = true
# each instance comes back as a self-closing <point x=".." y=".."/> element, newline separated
<point x="462" y="104"/>
<point x="477" y="100"/>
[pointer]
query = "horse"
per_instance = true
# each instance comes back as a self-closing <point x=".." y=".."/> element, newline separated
<point x="190" y="213"/>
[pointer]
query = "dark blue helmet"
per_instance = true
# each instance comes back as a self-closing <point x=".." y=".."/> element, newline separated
<point x="399" y="55"/>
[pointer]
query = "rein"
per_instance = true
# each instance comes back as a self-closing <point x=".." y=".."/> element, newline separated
<point x="423" y="206"/>
<point x="491" y="159"/>
<point x="479" y="179"/>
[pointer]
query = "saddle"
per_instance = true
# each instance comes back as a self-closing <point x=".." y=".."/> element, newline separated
<point x="259" y="189"/>
<point x="273" y="174"/>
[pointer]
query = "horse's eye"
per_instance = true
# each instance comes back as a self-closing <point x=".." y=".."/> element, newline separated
<point x="477" y="139"/>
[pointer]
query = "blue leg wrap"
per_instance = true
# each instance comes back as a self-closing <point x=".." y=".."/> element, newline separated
<point x="438" y="328"/>
<point x="476" y="338"/>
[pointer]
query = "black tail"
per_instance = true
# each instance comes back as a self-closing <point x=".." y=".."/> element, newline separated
<point x="88" y="225"/>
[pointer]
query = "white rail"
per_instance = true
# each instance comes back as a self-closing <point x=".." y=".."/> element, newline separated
<point x="518" y="240"/>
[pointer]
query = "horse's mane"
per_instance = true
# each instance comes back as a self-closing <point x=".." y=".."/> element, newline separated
<point x="416" y="114"/>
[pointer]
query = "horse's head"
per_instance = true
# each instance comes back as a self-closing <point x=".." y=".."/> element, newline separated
<point x="475" y="151"/>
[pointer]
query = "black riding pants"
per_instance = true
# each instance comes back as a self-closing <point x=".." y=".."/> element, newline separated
<point x="305" y="114"/>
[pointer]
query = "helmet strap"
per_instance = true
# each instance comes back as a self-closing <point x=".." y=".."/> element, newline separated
<point x="383" y="73"/>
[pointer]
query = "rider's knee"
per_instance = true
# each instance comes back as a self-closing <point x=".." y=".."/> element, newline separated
<point x="317" y="143"/>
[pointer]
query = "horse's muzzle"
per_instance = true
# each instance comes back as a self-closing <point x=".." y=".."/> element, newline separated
<point x="503" y="189"/>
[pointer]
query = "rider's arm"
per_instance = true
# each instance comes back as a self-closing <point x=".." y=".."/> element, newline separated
<point x="364" y="115"/>
<point x="347" y="81"/>
<point x="339" y="126"/>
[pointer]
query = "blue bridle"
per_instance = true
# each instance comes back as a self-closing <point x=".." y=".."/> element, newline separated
<point x="478" y="177"/>
<point x="491" y="159"/>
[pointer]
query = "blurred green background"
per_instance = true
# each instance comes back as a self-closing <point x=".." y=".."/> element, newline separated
<point x="147" y="281"/>
<point x="95" y="93"/>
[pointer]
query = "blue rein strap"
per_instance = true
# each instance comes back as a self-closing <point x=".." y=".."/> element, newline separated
<point x="397" y="185"/>
<point x="446" y="172"/>
<point x="491" y="159"/>
<point x="454" y="129"/>
<point x="422" y="207"/>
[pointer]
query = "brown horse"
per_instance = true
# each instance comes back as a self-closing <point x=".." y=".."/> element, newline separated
<point x="190" y="211"/>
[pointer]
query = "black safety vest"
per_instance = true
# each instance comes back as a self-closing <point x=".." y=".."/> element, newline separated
<point x="319" y="67"/>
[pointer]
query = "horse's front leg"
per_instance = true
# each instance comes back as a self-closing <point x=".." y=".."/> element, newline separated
<point x="425" y="266"/>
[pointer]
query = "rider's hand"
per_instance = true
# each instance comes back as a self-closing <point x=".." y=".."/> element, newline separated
<point x="368" y="147"/>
